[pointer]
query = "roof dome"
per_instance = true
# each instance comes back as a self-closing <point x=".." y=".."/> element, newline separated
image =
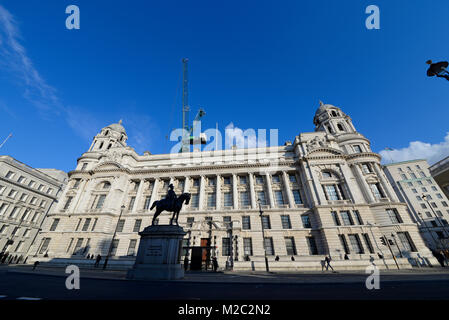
<point x="117" y="127"/>
<point x="323" y="107"/>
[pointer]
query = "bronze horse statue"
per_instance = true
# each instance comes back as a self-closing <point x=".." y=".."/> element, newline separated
<point x="162" y="205"/>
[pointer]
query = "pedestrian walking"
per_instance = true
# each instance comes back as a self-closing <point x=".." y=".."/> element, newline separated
<point x="97" y="261"/>
<point x="186" y="263"/>
<point x="328" y="259"/>
<point x="277" y="258"/>
<point x="35" y="264"/>
<point x="215" y="264"/>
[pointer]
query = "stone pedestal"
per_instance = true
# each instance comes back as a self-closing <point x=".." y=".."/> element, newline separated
<point x="159" y="254"/>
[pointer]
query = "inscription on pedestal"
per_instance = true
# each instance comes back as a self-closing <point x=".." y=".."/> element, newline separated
<point x="154" y="251"/>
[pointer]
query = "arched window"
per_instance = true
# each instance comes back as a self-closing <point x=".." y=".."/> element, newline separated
<point x="121" y="138"/>
<point x="334" y="114"/>
<point x="106" y="132"/>
<point x="327" y="174"/>
<point x="340" y="127"/>
<point x="329" y="129"/>
<point x="106" y="185"/>
<point x="333" y="186"/>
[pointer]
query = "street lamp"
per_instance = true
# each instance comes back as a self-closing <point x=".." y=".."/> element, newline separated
<point x="263" y="236"/>
<point x="113" y="237"/>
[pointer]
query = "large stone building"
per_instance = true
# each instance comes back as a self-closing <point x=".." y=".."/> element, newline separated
<point x="26" y="196"/>
<point x="323" y="194"/>
<point x="427" y="204"/>
<point x="440" y="172"/>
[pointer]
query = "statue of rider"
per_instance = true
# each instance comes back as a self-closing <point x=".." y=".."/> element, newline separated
<point x="171" y="196"/>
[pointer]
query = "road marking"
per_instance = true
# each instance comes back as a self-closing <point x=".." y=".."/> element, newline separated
<point x="28" y="298"/>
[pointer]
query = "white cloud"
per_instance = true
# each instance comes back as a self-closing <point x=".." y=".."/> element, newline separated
<point x="419" y="150"/>
<point x="239" y="138"/>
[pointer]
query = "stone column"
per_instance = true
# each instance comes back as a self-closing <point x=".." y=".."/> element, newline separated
<point x="154" y="191"/>
<point x="76" y="200"/>
<point x="138" y="196"/>
<point x="202" y="193"/>
<point x="269" y="190"/>
<point x="87" y="196"/>
<point x="288" y="190"/>
<point x="186" y="184"/>
<point x="366" y="190"/>
<point x="235" y="194"/>
<point x="218" y="191"/>
<point x="251" y="191"/>
<point x="314" y="181"/>
<point x="386" y="186"/>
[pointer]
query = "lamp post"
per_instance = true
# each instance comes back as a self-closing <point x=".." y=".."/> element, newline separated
<point x="370" y="226"/>
<point x="263" y="236"/>
<point x="113" y="237"/>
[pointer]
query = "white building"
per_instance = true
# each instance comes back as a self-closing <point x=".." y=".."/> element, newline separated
<point x="26" y="196"/>
<point x="427" y="203"/>
<point x="323" y="194"/>
<point x="440" y="172"/>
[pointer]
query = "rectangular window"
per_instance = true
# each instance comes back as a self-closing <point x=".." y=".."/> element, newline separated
<point x="313" y="250"/>
<point x="54" y="224"/>
<point x="335" y="218"/>
<point x="131" y="203"/>
<point x="44" y="246"/>
<point x="357" y="148"/>
<point x="114" y="247"/>
<point x="368" y="242"/>
<point x="290" y="246"/>
<point x="297" y="197"/>
<point x="211" y="181"/>
<point x="407" y="242"/>
<point x="3" y="208"/>
<point x="21" y="179"/>
<point x="366" y="168"/>
<point x="358" y="218"/>
<point x="346" y="217"/>
<point x="190" y="221"/>
<point x="403" y="176"/>
<point x="344" y="243"/>
<point x="120" y="225"/>
<point x="26" y="233"/>
<point x="77" y="249"/>
<point x="68" y="202"/>
<point x="132" y="247"/>
<point x="227" y="222"/>
<point x="444" y="203"/>
<point x="137" y="224"/>
<point x="268" y="243"/>
<point x="9" y="175"/>
<point x="31" y="184"/>
<point x="246" y="223"/>
<point x="211" y="201"/>
<point x="266" y="222"/>
<point x="394" y="216"/>
<point x="332" y="193"/>
<point x="78" y="225"/>
<point x="355" y="243"/>
<point x="70" y="245"/>
<point x="196" y="182"/>
<point x="13" y="212"/>
<point x="375" y="188"/>
<point x="227" y="199"/>
<point x="261" y="197"/>
<point x="292" y="177"/>
<point x="279" y="198"/>
<point x="259" y="179"/>
<point x="100" y="201"/>
<point x="95" y="223"/>
<point x="195" y="200"/>
<point x="77" y="183"/>
<point x="86" y="224"/>
<point x="12" y="193"/>
<point x="286" y="224"/>
<point x="227" y="180"/>
<point x="146" y="205"/>
<point x="3" y="228"/>
<point x="276" y="179"/>
<point x="225" y="247"/>
<point x="242" y="180"/>
<point x="247" y="247"/>
<point x="306" y="221"/>
<point x="244" y="199"/>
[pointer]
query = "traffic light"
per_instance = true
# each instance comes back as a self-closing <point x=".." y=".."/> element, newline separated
<point x="382" y="240"/>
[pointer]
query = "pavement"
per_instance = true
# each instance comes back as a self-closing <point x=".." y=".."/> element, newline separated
<point x="20" y="282"/>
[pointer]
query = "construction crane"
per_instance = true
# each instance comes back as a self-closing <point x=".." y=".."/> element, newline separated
<point x="189" y="131"/>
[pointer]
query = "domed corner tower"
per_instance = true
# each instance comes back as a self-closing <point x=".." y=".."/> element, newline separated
<point x="112" y="136"/>
<point x="334" y="121"/>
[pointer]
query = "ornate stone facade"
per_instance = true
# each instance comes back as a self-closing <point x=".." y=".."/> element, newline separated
<point x="323" y="194"/>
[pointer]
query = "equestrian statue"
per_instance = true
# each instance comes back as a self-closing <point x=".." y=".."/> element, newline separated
<point x="170" y="203"/>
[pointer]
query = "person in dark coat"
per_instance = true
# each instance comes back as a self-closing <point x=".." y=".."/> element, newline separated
<point x="97" y="261"/>
<point x="327" y="259"/>
<point x="277" y="258"/>
<point x="35" y="264"/>
<point x="186" y="263"/>
<point x="215" y="264"/>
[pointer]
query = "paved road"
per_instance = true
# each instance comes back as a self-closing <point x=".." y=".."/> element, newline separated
<point x="16" y="285"/>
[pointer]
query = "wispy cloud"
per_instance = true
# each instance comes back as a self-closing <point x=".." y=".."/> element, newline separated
<point x="419" y="150"/>
<point x="15" y="61"/>
<point x="241" y="139"/>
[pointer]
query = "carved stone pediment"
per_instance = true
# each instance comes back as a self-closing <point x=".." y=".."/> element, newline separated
<point x="108" y="165"/>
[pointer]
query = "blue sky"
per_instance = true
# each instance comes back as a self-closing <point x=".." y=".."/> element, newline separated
<point x="256" y="64"/>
